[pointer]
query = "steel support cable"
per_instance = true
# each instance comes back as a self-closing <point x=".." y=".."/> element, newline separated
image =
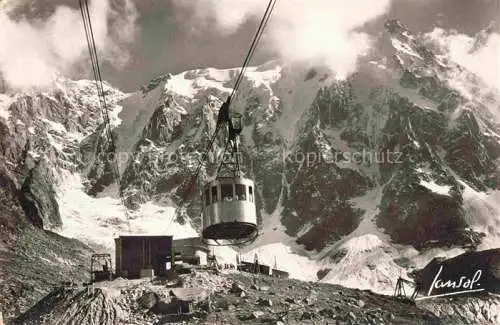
<point x="99" y="83"/>
<point x="102" y="99"/>
<point x="89" y="34"/>
<point x="267" y="18"/>
<point x="96" y="70"/>
<point x="253" y="46"/>
<point x="93" y="54"/>
<point x="258" y="35"/>
<point x="89" y="44"/>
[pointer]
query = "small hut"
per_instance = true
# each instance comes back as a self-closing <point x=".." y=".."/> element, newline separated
<point x="138" y="256"/>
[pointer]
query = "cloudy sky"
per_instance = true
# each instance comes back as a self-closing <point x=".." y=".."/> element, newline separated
<point x="139" y="39"/>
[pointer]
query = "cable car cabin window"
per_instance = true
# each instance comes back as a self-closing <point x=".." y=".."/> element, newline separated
<point x="250" y="192"/>
<point x="227" y="192"/>
<point x="214" y="194"/>
<point x="241" y="192"/>
<point x="207" y="196"/>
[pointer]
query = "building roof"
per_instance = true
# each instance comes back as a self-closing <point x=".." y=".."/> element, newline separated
<point x="280" y="272"/>
<point x="143" y="236"/>
<point x="188" y="241"/>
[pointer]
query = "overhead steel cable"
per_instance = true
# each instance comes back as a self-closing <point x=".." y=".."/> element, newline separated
<point x="89" y="34"/>
<point x="93" y="54"/>
<point x="253" y="46"/>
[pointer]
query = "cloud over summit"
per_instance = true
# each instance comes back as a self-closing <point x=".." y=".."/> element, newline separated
<point x="313" y="31"/>
<point x="33" y="54"/>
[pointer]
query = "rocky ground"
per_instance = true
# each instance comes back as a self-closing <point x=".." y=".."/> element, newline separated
<point x="465" y="310"/>
<point x="228" y="298"/>
<point x="32" y="260"/>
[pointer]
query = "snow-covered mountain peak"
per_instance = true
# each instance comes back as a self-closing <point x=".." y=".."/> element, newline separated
<point x="195" y="83"/>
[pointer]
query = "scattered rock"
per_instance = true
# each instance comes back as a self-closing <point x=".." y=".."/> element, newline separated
<point x="307" y="301"/>
<point x="237" y="288"/>
<point x="307" y="315"/>
<point x="148" y="300"/>
<point x="361" y="303"/>
<point x="265" y="302"/>
<point x="258" y="313"/>
<point x="327" y="312"/>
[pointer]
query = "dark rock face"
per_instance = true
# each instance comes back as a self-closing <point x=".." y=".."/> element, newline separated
<point x="13" y="217"/>
<point x="467" y="265"/>
<point x="318" y="188"/>
<point x="312" y="178"/>
<point x="162" y="164"/>
<point x="37" y="197"/>
<point x="471" y="154"/>
<point x="38" y="142"/>
<point x="101" y="156"/>
<point x="468" y="271"/>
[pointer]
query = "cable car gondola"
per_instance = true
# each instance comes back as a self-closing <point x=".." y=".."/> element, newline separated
<point x="229" y="211"/>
